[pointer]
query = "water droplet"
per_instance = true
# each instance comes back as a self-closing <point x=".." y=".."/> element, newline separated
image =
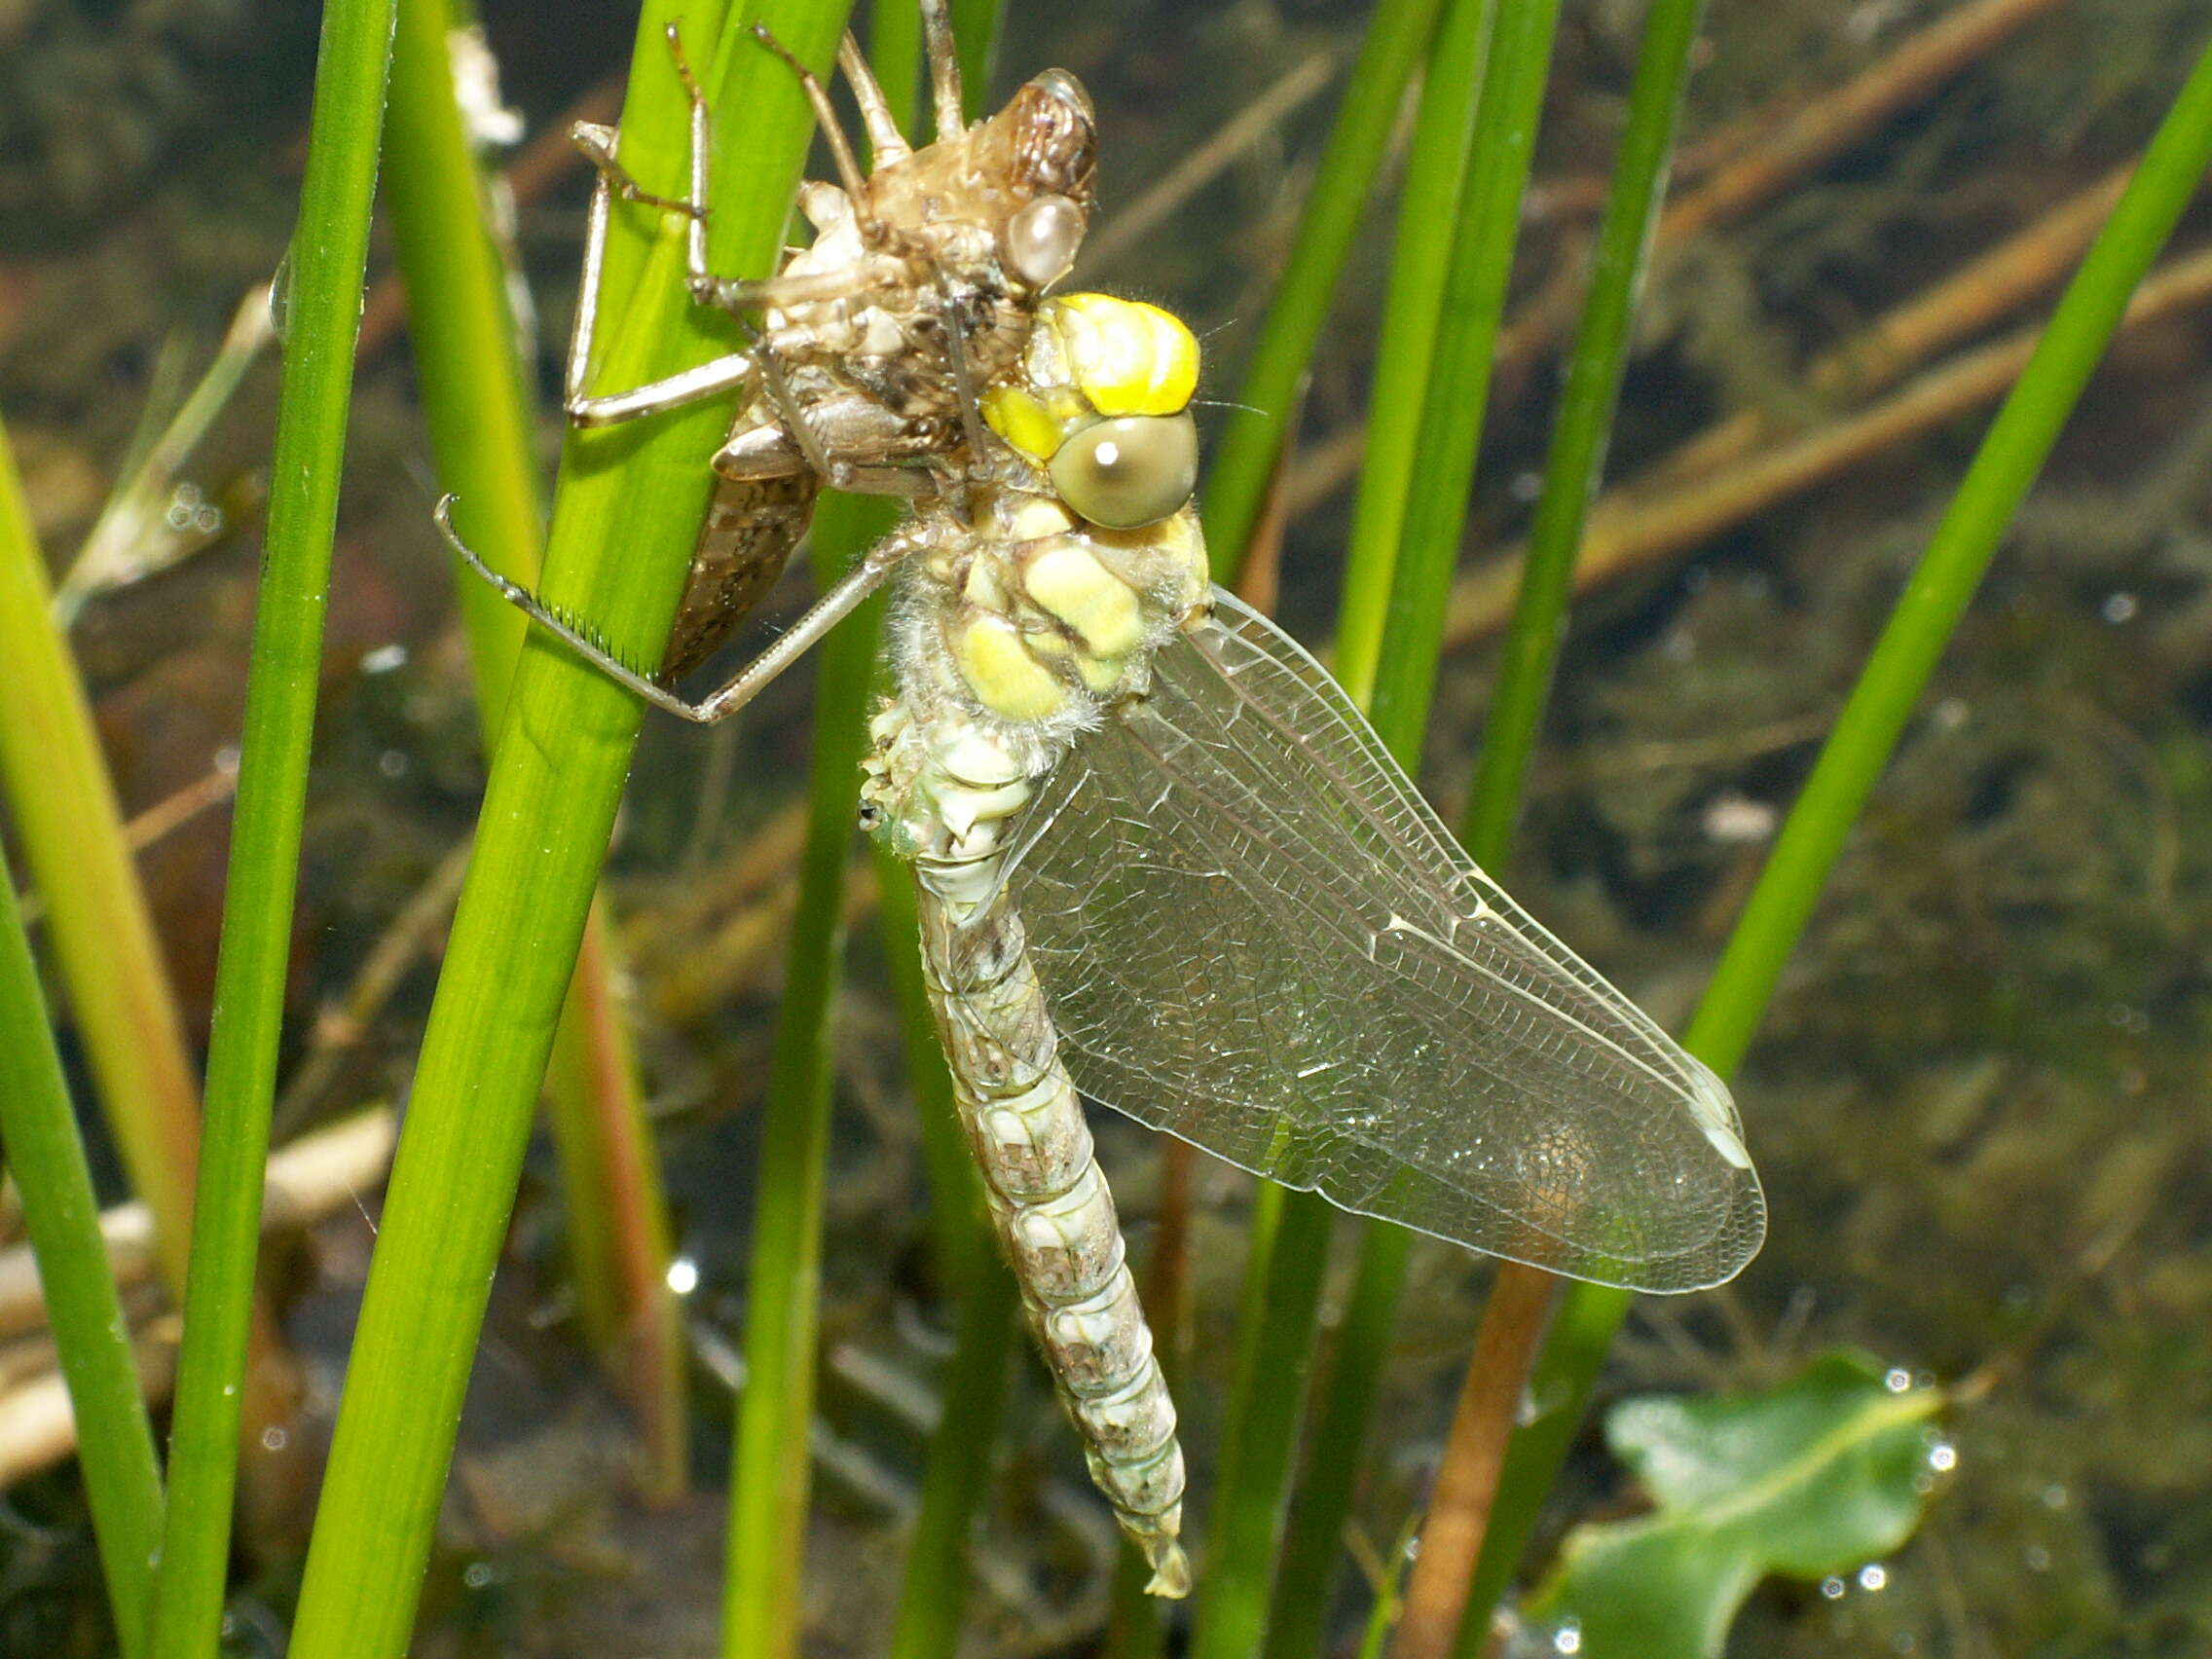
<point x="476" y="1574"/>
<point x="275" y="1439"/>
<point x="281" y="298"/>
<point x="2119" y="608"/>
<point x="1942" y="1456"/>
<point x="1833" y="1588"/>
<point x="683" y="1275"/>
<point x="393" y="764"/>
<point x="1897" y="1379"/>
<point x="1568" y="1639"/>
<point x="2037" y="1558"/>
<point x="1873" y="1576"/>
<point x="2055" y="1495"/>
<point x="384" y="658"/>
<point x="1902" y="1642"/>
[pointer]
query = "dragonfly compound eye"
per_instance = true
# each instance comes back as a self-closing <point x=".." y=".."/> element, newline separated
<point x="1042" y="238"/>
<point x="1127" y="472"/>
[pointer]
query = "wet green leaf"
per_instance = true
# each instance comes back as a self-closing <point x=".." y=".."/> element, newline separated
<point x="1807" y="1480"/>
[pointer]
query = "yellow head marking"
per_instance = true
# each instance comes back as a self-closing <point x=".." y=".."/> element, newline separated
<point x="1126" y="356"/>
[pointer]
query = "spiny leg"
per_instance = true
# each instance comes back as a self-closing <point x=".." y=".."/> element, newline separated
<point x="945" y="70"/>
<point x="825" y="613"/>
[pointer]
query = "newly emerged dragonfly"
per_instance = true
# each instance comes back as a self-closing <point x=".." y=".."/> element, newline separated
<point x="918" y="288"/>
<point x="1164" y="863"/>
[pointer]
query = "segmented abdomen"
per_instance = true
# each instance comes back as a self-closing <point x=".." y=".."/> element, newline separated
<point x="1055" y="1216"/>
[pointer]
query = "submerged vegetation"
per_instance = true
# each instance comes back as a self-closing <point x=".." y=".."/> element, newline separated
<point x="1975" y="1098"/>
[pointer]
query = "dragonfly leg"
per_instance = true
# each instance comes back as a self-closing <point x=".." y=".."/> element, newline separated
<point x="825" y="114"/>
<point x="945" y="70"/>
<point x="884" y="138"/>
<point x="706" y="380"/>
<point x="865" y="578"/>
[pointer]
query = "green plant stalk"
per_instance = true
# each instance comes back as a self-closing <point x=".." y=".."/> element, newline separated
<point x="1573" y="467"/>
<point x="978" y="27"/>
<point x="1865" y="737"/>
<point x="1313" y="1543"/>
<point x="625" y="519"/>
<point x="1245" y="455"/>
<point x="115" y="1441"/>
<point x="1458" y="388"/>
<point x="1266" y="1399"/>
<point x="71" y="832"/>
<point x="1312" y="1540"/>
<point x="1413" y="308"/>
<point x="1575" y="463"/>
<point x="482" y="425"/>
<point x="769" y="1479"/>
<point x="934" y="1598"/>
<point x="328" y="254"/>
<point x="1493" y="180"/>
<point x="1291" y="1231"/>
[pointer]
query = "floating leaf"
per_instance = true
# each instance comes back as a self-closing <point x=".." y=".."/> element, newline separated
<point x="1807" y="1480"/>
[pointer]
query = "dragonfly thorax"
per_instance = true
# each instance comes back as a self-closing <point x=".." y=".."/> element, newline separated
<point x="1034" y="620"/>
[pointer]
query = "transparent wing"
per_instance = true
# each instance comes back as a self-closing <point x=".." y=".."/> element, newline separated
<point x="1255" y="935"/>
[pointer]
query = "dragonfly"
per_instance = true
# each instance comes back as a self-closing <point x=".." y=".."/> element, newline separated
<point x="918" y="288"/>
<point x="1164" y="864"/>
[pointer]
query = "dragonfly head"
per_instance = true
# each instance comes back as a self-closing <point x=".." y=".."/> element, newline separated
<point x="1104" y="406"/>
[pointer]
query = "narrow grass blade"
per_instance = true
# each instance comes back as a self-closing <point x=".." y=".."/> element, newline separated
<point x="322" y="310"/>
<point x="972" y="1398"/>
<point x="1412" y="310"/>
<point x="1458" y="388"/>
<point x="626" y="515"/>
<point x="71" y="830"/>
<point x="1521" y="1298"/>
<point x="1576" y="460"/>
<point x="115" y="1441"/>
<point x="769" y="1480"/>
<point x="1865" y="735"/>
<point x="1420" y="263"/>
<point x="482" y="423"/>
<point x="1244" y="458"/>
<point x="1472" y="304"/>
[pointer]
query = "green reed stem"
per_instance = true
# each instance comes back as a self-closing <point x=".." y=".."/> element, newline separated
<point x="482" y="421"/>
<point x="1290" y="1231"/>
<point x="1275" y="1356"/>
<point x="625" y="517"/>
<point x="934" y="1596"/>
<point x="115" y="1441"/>
<point x="1252" y="441"/>
<point x="1412" y="310"/>
<point x="1472" y="303"/>
<point x="71" y="830"/>
<point x="1575" y="463"/>
<point x="1573" y="468"/>
<point x="323" y="309"/>
<point x="1417" y="292"/>
<point x="1859" y="745"/>
<point x="769" y="1480"/>
<point x="1458" y="388"/>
